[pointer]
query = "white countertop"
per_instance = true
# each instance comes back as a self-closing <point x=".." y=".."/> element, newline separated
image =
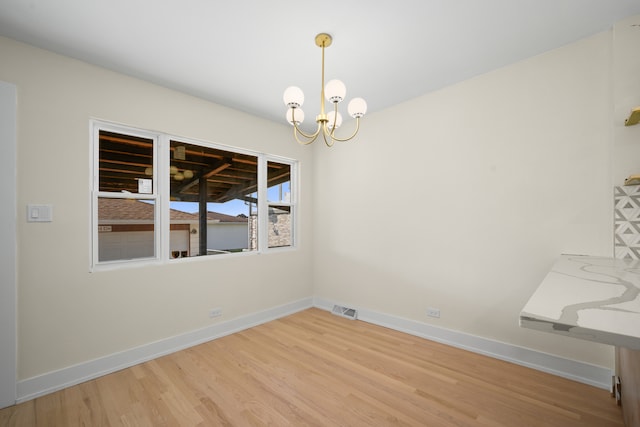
<point x="591" y="298"/>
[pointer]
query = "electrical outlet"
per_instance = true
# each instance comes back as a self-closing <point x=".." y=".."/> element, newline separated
<point x="215" y="312"/>
<point x="433" y="312"/>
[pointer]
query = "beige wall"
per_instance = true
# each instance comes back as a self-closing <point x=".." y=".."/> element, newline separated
<point x="463" y="198"/>
<point x="68" y="315"/>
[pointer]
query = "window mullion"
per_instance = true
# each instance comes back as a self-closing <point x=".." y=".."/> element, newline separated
<point x="293" y="204"/>
<point x="95" y="155"/>
<point x="161" y="187"/>
<point x="263" y="205"/>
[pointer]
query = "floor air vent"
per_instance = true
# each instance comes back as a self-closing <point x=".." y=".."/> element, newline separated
<point x="349" y="313"/>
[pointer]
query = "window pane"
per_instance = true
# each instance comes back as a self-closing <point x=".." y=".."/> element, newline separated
<point x="125" y="229"/>
<point x="213" y="200"/>
<point x="278" y="182"/>
<point x="279" y="226"/>
<point x="279" y="197"/>
<point x="126" y="163"/>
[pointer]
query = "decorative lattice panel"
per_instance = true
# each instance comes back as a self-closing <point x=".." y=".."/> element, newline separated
<point x="627" y="222"/>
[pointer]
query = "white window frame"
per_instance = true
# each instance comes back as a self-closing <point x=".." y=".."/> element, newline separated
<point x="293" y="196"/>
<point x="96" y="194"/>
<point x="161" y="177"/>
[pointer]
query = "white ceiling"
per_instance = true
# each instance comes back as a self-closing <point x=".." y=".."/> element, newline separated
<point x="243" y="54"/>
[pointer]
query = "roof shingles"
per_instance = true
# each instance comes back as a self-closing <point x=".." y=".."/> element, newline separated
<point x="137" y="210"/>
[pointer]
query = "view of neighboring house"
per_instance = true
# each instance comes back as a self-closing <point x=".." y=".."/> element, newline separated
<point x="126" y="231"/>
<point x="227" y="233"/>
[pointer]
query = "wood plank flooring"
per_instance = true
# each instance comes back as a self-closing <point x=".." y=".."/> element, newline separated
<point x="316" y="369"/>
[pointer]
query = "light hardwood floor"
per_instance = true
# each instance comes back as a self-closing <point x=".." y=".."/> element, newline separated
<point x="316" y="369"/>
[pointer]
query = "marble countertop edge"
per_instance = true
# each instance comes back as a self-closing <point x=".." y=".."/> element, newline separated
<point x="594" y="298"/>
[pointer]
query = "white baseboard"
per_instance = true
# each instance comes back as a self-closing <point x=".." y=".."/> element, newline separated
<point x="586" y="373"/>
<point x="40" y="385"/>
<point x="52" y="381"/>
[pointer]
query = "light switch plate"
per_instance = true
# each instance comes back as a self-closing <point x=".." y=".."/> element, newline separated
<point x="39" y="213"/>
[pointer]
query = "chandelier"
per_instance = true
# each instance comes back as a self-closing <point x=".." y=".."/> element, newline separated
<point x="334" y="92"/>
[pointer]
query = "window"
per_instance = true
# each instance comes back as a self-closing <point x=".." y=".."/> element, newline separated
<point x="217" y="189"/>
<point x="125" y="213"/>
<point x="162" y="198"/>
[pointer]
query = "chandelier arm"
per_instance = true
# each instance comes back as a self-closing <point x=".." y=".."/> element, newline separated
<point x="335" y="138"/>
<point x="313" y="136"/>
<point x="303" y="142"/>
<point x="335" y="120"/>
<point x="297" y="130"/>
<point x="328" y="142"/>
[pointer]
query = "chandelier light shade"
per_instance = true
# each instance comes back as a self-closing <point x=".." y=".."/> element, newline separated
<point x="334" y="92"/>
<point x="293" y="97"/>
<point x="299" y="116"/>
